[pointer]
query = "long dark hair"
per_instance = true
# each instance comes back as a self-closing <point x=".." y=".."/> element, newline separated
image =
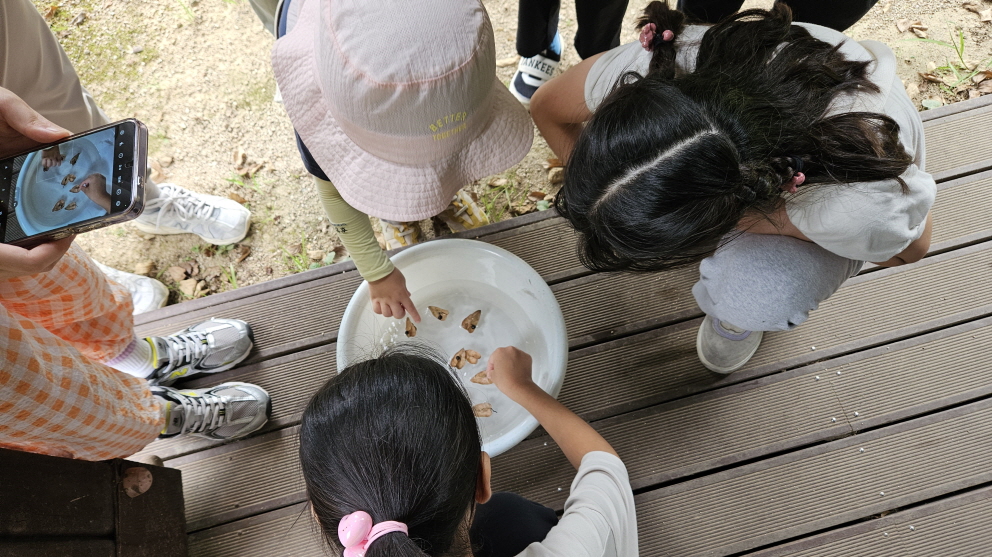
<point x="395" y="437"/>
<point x="672" y="161"/>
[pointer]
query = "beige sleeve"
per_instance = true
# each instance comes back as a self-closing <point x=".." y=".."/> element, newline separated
<point x="356" y="233"/>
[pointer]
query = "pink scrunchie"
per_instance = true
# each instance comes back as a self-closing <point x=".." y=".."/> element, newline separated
<point x="797" y="180"/>
<point x="648" y="33"/>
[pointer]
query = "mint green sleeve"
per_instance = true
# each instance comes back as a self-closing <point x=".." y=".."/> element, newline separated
<point x="356" y="233"/>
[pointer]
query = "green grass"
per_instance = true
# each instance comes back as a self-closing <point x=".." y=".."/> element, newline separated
<point x="496" y="200"/>
<point x="230" y="275"/>
<point x="958" y="69"/>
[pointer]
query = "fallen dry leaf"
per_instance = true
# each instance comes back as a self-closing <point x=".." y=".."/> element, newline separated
<point x="144" y="268"/>
<point x="499" y="182"/>
<point x="240" y="157"/>
<point x="192" y="268"/>
<point x="536" y="195"/>
<point x="974" y="94"/>
<point x="507" y="62"/>
<point x="411" y="329"/>
<point x="981" y="76"/>
<point x="177" y="274"/>
<point x="921" y="33"/>
<point x="236" y="197"/>
<point x="552" y="163"/>
<point x="482" y="410"/>
<point x="913" y="90"/>
<point x="902" y="25"/>
<point x="79" y="19"/>
<point x="243" y="251"/>
<point x="985" y="87"/>
<point x="51" y="11"/>
<point x="556" y="175"/>
<point x="158" y="174"/>
<point x="482" y="378"/>
<point x="932" y="77"/>
<point x="471" y="323"/>
<point x="316" y="255"/>
<point x="523" y="208"/>
<point x="440" y="314"/>
<point x="188" y="287"/>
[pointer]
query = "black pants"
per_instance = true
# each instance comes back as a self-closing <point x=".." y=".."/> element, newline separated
<point x="599" y="25"/>
<point x="507" y="524"/>
<point x="836" y="15"/>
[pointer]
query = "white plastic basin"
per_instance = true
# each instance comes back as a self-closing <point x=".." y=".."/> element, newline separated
<point x="462" y="276"/>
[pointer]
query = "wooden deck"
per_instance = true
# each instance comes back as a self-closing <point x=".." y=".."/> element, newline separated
<point x="867" y="431"/>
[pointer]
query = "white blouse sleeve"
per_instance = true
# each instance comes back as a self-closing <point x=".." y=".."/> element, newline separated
<point x="869" y="221"/>
<point x="599" y="518"/>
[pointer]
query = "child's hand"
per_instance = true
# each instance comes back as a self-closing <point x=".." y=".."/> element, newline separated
<point x="390" y="298"/>
<point x="95" y="188"/>
<point x="52" y="157"/>
<point x="510" y="369"/>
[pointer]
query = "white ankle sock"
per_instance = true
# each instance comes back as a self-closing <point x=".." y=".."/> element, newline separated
<point x="135" y="360"/>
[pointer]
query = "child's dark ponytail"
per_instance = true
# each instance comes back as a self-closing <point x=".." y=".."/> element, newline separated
<point x="394" y="437"/>
<point x="660" y="26"/>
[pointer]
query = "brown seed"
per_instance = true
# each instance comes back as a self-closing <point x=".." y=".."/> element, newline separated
<point x="411" y="329"/>
<point x="472" y="356"/>
<point x="71" y="206"/>
<point x="482" y="378"/>
<point x="482" y="410"/>
<point x="440" y="314"/>
<point x="458" y="360"/>
<point x="58" y="205"/>
<point x="471" y="322"/>
<point x="74" y="159"/>
<point x="74" y="188"/>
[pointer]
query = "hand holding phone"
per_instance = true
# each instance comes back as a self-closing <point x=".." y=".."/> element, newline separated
<point x="21" y="127"/>
<point x="20" y="262"/>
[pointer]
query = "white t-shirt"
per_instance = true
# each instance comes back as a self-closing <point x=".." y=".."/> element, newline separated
<point x="599" y="518"/>
<point x="866" y="221"/>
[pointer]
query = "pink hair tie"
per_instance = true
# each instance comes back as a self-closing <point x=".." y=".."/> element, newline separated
<point x="357" y="532"/>
<point x="797" y="180"/>
<point x="648" y="34"/>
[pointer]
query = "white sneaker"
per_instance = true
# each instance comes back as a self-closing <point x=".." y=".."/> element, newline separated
<point x="724" y="348"/>
<point x="399" y="234"/>
<point x="217" y="220"/>
<point x="146" y="293"/>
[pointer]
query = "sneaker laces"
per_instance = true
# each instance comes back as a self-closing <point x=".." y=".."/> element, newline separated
<point x="187" y="347"/>
<point x="203" y="413"/>
<point x="182" y="203"/>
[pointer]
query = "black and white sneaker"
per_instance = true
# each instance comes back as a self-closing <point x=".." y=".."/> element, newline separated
<point x="227" y="411"/>
<point x="535" y="71"/>
<point x="210" y="347"/>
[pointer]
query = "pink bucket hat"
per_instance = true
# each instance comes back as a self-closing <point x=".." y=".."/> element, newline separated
<point x="398" y="100"/>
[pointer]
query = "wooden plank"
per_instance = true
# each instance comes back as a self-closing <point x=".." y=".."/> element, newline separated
<point x="765" y="416"/>
<point x="957" y="144"/>
<point x="151" y="524"/>
<point x="286" y="531"/>
<point x="46" y="496"/>
<point x="956" y="525"/>
<point x="649" y="375"/>
<point x="649" y="368"/>
<point x="49" y="548"/>
<point x="821" y="487"/>
<point x="961" y="213"/>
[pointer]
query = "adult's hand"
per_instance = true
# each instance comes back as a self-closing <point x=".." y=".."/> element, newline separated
<point x="18" y="262"/>
<point x="21" y="127"/>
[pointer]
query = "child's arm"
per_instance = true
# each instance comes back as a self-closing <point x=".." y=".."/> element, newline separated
<point x="559" y="108"/>
<point x="510" y="369"/>
<point x="387" y="286"/>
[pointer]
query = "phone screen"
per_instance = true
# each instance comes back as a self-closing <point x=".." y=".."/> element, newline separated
<point x="84" y="178"/>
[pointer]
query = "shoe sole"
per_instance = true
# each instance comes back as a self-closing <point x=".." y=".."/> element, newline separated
<point x="721" y="370"/>
<point x="166" y="231"/>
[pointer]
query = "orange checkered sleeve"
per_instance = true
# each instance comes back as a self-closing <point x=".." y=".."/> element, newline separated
<point x="55" y="396"/>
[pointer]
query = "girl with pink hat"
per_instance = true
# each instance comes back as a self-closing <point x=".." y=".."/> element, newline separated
<point x="396" y="107"/>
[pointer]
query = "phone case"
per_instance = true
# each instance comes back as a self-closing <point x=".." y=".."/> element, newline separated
<point x="137" y="199"/>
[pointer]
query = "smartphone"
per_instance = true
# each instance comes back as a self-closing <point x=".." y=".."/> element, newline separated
<point x="87" y="181"/>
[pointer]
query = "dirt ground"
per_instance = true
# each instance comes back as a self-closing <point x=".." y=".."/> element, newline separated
<point x="198" y="74"/>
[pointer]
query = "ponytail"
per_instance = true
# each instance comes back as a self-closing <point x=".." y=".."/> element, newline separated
<point x="660" y="26"/>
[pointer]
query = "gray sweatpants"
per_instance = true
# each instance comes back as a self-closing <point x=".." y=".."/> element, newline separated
<point x="762" y="282"/>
